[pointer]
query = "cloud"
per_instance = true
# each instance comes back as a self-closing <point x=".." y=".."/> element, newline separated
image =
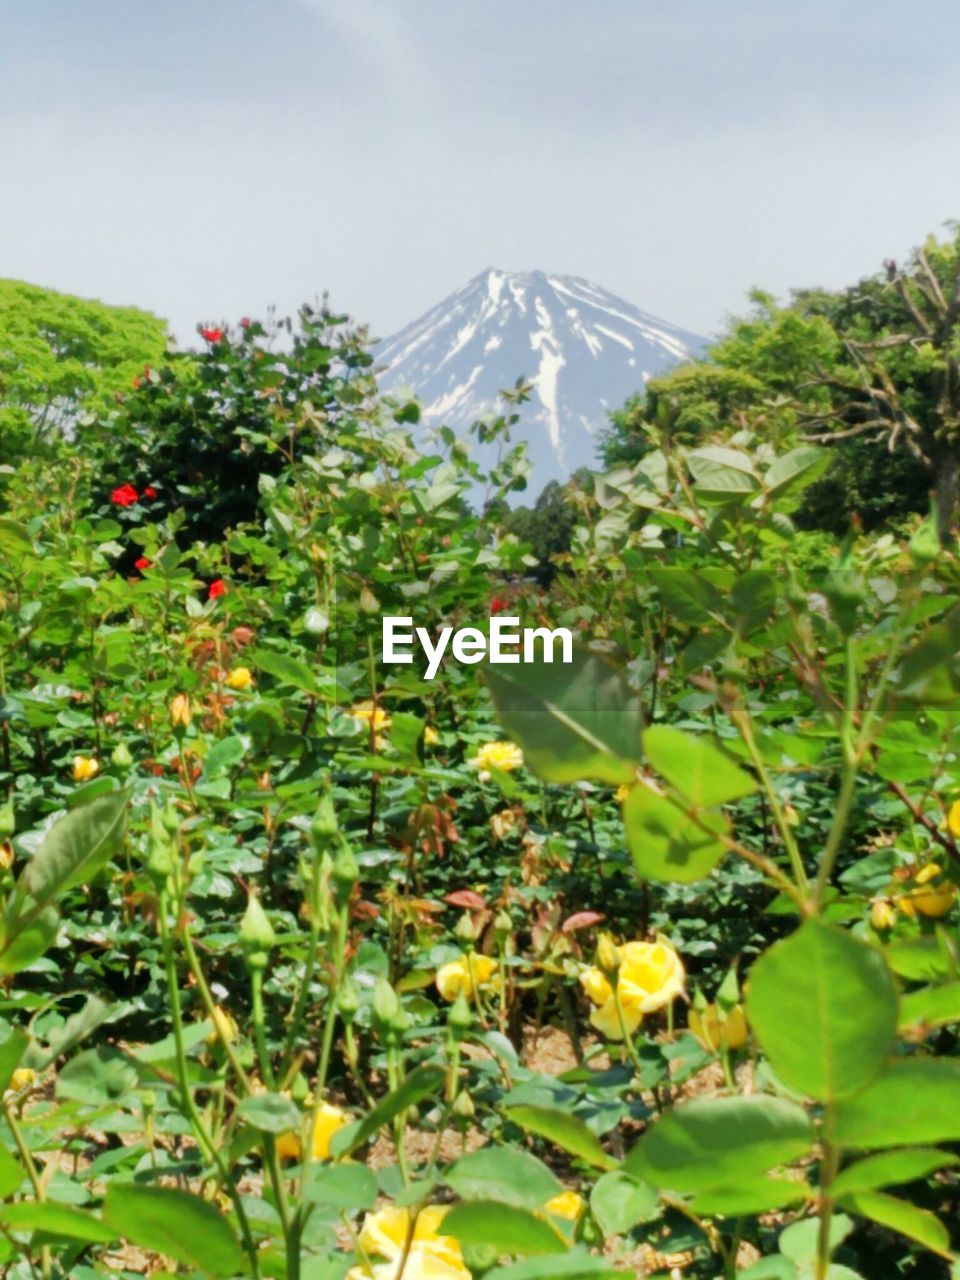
<point x="375" y="32"/>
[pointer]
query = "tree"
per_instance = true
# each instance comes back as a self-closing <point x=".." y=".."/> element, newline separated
<point x="61" y="357"/>
<point x="871" y="370"/>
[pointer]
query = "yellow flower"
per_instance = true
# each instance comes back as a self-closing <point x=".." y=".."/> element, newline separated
<point x="180" y="713"/>
<point x="883" y="914"/>
<point x="953" y="819"/>
<point x="622" y="792"/>
<point x="372" y="715"/>
<point x="328" y="1120"/>
<point x="502" y="823"/>
<point x="85" y="768"/>
<point x="934" y="896"/>
<point x="240" y="678"/>
<point x="464" y="976"/>
<point x="650" y="976"/>
<point x="21" y="1078"/>
<point x="567" y="1205"/>
<point x="431" y="1256"/>
<point x="225" y="1029"/>
<point x="430" y="736"/>
<point x="505" y="756"/>
<point x="6" y="855"/>
<point x="716" y="1030"/>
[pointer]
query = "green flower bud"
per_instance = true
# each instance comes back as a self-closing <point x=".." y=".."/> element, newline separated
<point x="385" y="1004"/>
<point x="344" y="874"/>
<point x="348" y="1001"/>
<point x="171" y="818"/>
<point x="121" y="757"/>
<point x="459" y="1019"/>
<point x="324" y="826"/>
<point x="502" y="927"/>
<point x="8" y="819"/>
<point x="466" y="931"/>
<point x="161" y="849"/>
<point x="463" y="1107"/>
<point x="256" y="935"/>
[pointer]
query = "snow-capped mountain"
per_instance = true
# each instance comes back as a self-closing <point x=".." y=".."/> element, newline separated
<point x="584" y="350"/>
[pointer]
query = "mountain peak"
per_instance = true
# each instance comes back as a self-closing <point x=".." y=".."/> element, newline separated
<point x="584" y="349"/>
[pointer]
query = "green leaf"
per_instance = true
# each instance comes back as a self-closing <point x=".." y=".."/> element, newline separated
<point x="56" y="1220"/>
<point x="618" y="1202"/>
<point x="503" y="1173"/>
<point x="914" y="1100"/>
<point x="931" y="1007"/>
<point x="575" y="1265"/>
<point x="722" y="474"/>
<point x="689" y="596"/>
<point x="97" y="1076"/>
<point x="27" y="938"/>
<point x="921" y="959"/>
<point x="750" y="1196"/>
<point x="11" y="1051"/>
<point x="701" y="772"/>
<point x="891" y="1168"/>
<point x="223" y="755"/>
<point x="665" y="843"/>
<point x="286" y="669"/>
<point x="573" y="720"/>
<point x="718" y="1142"/>
<point x="902" y="1217"/>
<point x="823" y="1006"/>
<point x="774" y="1268"/>
<point x="421" y="1083"/>
<point x="511" y="1229"/>
<point x="77" y="846"/>
<point x="798" y="1242"/>
<point x="270" y="1113"/>
<point x="795" y="470"/>
<point x="11" y="1175"/>
<point x="342" y="1186"/>
<point x="174" y="1223"/>
<point x="565" y="1130"/>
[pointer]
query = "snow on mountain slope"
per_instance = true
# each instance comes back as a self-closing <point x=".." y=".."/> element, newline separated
<point x="584" y="350"/>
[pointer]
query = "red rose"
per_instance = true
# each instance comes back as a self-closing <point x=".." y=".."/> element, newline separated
<point x="211" y="335"/>
<point x="143" y="563"/>
<point x="217" y="589"/>
<point x="245" y="322"/>
<point x="149" y="491"/>
<point x="497" y="605"/>
<point x="124" y="496"/>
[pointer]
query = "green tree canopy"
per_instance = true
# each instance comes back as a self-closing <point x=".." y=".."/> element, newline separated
<point x="62" y="356"/>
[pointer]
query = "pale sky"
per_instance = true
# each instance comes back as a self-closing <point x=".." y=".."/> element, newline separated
<point x="204" y="160"/>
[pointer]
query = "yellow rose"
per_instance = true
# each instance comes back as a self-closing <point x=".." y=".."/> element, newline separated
<point x="431" y="1256"/>
<point x="22" y="1077"/>
<point x="935" y="896"/>
<point x="225" y="1029"/>
<point x="505" y="756"/>
<point x="328" y="1120"/>
<point x="180" y="713"/>
<point x="649" y="977"/>
<point x="465" y="976"/>
<point x="567" y="1205"/>
<point x="883" y="914"/>
<point x="6" y="855"/>
<point x="372" y="715"/>
<point x="85" y="768"/>
<point x="430" y="736"/>
<point x="240" y="678"/>
<point x="716" y="1030"/>
<point x="953" y="819"/>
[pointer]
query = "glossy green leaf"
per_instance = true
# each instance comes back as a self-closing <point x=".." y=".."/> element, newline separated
<point x="914" y="1100"/>
<point x="931" y="1006"/>
<point x="721" y="473"/>
<point x="891" y="1168"/>
<point x="619" y="1201"/>
<point x="77" y="846"/>
<point x="750" y="1196"/>
<point x="503" y="1173"/>
<point x="700" y="771"/>
<point x="422" y="1082"/>
<point x="665" y="843"/>
<point x="346" y="1186"/>
<point x="285" y="669"/>
<point x="793" y="471"/>
<point x="823" y="1006"/>
<point x="900" y="1216"/>
<point x="574" y="721"/>
<point x="175" y="1223"/>
<point x="565" y="1130"/>
<point x="270" y="1113"/>
<point x="510" y="1228"/>
<point x="56" y="1220"/>
<point x="718" y="1142"/>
